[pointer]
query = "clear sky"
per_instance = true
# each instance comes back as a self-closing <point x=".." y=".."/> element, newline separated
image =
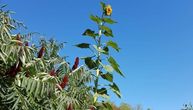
<point x="156" y="37"/>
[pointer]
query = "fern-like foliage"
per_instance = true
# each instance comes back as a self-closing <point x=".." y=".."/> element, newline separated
<point x="36" y="77"/>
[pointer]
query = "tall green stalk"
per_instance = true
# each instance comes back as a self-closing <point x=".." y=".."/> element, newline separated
<point x="98" y="66"/>
<point x="101" y="51"/>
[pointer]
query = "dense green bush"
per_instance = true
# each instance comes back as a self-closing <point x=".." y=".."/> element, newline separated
<point x="35" y="76"/>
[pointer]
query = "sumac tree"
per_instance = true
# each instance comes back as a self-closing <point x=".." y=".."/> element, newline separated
<point x="35" y="77"/>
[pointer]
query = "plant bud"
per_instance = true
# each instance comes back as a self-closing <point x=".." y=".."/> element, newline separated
<point x="52" y="73"/>
<point x="41" y="52"/>
<point x="70" y="107"/>
<point x="27" y="74"/>
<point x="92" y="108"/>
<point x="64" y="82"/>
<point x="14" y="69"/>
<point x="26" y="44"/>
<point x="76" y="63"/>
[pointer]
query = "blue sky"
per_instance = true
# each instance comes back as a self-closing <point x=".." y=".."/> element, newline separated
<point x="156" y="37"/>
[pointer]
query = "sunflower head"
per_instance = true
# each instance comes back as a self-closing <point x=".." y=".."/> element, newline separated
<point x="108" y="10"/>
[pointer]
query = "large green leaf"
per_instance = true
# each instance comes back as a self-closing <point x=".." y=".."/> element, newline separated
<point x="109" y="20"/>
<point x="113" y="45"/>
<point x="83" y="45"/>
<point x="113" y="61"/>
<point x="102" y="91"/>
<point x="115" y="89"/>
<point x="108" y="77"/>
<point x="108" y="106"/>
<point x="106" y="49"/>
<point x="89" y="32"/>
<point x="90" y="63"/>
<point x="115" y="65"/>
<point x="107" y="31"/>
<point x="95" y="19"/>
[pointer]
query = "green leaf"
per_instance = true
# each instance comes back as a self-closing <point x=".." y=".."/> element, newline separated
<point x="109" y="20"/>
<point x="3" y="58"/>
<point x="108" y="77"/>
<point x="103" y="5"/>
<point x="115" y="65"/>
<point x="16" y="41"/>
<point x="107" y="31"/>
<point x="106" y="49"/>
<point x="113" y="61"/>
<point x="118" y="70"/>
<point x="4" y="5"/>
<point x="42" y="89"/>
<point x="16" y="103"/>
<point x="90" y="63"/>
<point x="83" y="45"/>
<point x="38" y="88"/>
<point x="89" y="32"/>
<point x="102" y="91"/>
<point x="108" y="34"/>
<point x="115" y="89"/>
<point x="95" y="19"/>
<point x="113" y="45"/>
<point x="33" y="86"/>
<point x="108" y="106"/>
<point x="105" y="28"/>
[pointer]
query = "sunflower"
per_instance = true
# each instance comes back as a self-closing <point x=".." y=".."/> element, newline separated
<point x="108" y="10"/>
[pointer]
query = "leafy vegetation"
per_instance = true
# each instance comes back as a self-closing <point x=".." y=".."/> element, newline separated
<point x="101" y="64"/>
<point x="187" y="107"/>
<point x="33" y="76"/>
